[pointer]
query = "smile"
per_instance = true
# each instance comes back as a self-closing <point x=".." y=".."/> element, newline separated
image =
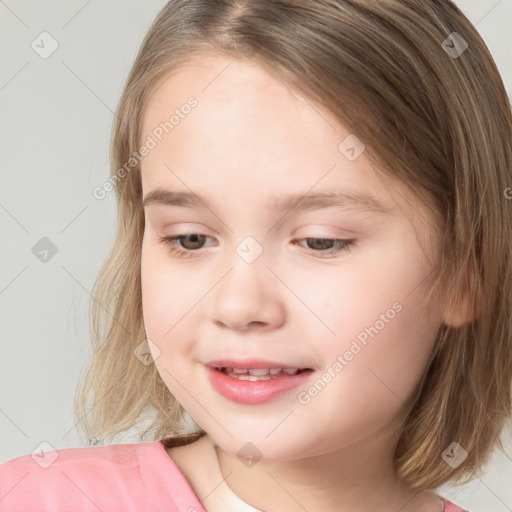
<point x="258" y="385"/>
<point x="259" y="373"/>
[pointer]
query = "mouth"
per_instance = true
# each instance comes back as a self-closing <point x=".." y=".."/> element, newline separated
<point x="256" y="381"/>
<point x="259" y="374"/>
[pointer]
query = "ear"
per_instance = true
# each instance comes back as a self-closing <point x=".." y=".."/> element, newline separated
<point x="466" y="308"/>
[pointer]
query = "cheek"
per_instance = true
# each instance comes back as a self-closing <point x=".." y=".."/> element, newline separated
<point x="172" y="304"/>
<point x="163" y="295"/>
<point x="166" y="322"/>
<point x="383" y="287"/>
<point x="155" y="293"/>
<point x="379" y="324"/>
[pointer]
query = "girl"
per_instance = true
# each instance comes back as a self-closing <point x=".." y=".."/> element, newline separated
<point x="309" y="294"/>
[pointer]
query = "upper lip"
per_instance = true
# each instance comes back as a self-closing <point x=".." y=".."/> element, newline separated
<point x="251" y="364"/>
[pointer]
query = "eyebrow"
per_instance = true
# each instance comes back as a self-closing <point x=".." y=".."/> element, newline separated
<point x="301" y="202"/>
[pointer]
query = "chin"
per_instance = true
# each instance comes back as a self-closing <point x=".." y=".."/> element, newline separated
<point x="255" y="444"/>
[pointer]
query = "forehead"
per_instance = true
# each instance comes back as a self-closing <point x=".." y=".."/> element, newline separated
<point x="248" y="137"/>
<point x="216" y="80"/>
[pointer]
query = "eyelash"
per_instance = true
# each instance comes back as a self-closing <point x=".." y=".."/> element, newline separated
<point x="171" y="242"/>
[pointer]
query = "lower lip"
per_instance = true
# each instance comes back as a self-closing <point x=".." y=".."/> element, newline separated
<point x="254" y="392"/>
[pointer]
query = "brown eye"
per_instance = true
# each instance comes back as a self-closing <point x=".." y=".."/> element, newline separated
<point x="184" y="246"/>
<point x="191" y="241"/>
<point x="327" y="246"/>
<point x="320" y="244"/>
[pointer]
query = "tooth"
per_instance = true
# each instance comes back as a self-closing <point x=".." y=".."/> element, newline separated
<point x="240" y="370"/>
<point x="275" y="371"/>
<point x="259" y="372"/>
<point x="228" y="369"/>
<point x="290" y="371"/>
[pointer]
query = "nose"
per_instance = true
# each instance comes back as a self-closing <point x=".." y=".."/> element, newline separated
<point x="248" y="296"/>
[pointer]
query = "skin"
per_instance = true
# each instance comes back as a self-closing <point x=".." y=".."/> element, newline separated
<point x="250" y="139"/>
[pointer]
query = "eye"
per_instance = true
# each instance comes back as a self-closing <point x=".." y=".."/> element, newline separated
<point x="192" y="242"/>
<point x="334" y="245"/>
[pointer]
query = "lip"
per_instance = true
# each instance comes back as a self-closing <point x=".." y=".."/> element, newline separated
<point x="248" y="364"/>
<point x="253" y="392"/>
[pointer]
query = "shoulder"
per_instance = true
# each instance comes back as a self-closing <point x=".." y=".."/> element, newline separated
<point x="79" y="460"/>
<point x="83" y="479"/>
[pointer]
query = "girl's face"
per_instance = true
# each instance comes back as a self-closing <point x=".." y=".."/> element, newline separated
<point x="258" y="281"/>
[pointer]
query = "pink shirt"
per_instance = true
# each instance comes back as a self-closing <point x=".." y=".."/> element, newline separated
<point x="113" y="478"/>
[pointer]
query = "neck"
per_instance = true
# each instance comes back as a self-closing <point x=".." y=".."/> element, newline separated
<point x="348" y="479"/>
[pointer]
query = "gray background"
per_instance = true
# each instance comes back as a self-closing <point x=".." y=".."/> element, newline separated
<point x="55" y="123"/>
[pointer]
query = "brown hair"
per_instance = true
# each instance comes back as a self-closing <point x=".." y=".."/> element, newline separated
<point x="437" y="119"/>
